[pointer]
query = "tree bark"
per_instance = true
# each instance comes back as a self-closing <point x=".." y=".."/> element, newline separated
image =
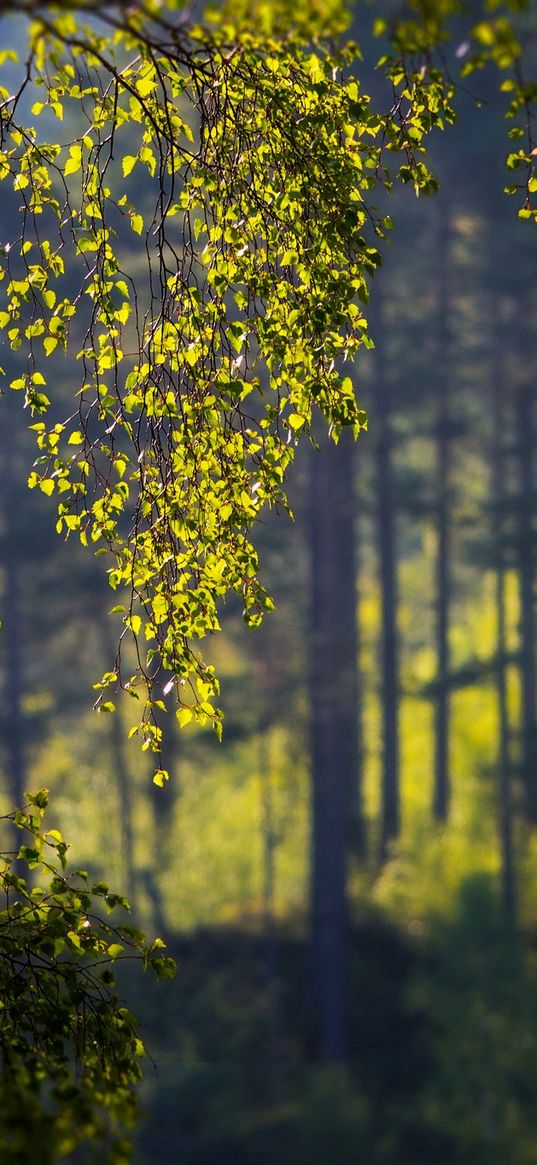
<point x="525" y="413"/>
<point x="498" y="493"/>
<point x="122" y="776"/>
<point x="163" y="801"/>
<point x="14" y="683"/>
<point x="269" y="837"/>
<point x="12" y="631"/>
<point x="334" y="731"/>
<point x="442" y="789"/>
<point x="390" y="821"/>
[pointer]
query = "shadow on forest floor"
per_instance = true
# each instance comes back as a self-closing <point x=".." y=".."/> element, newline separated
<point x="442" y="1063"/>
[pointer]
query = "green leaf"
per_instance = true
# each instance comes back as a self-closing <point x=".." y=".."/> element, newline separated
<point x="161" y="777"/>
<point x="74" y="161"/>
<point x="128" y="164"/>
<point x="115" y="950"/>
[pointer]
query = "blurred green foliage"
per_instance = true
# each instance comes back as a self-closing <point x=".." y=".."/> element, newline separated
<point x="69" y="1050"/>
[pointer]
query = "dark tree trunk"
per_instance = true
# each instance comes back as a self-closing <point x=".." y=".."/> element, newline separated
<point x="126" y="796"/>
<point x="163" y="801"/>
<point x="13" y="682"/>
<point x="334" y="730"/>
<point x="387" y="557"/>
<point x="274" y="1059"/>
<point x="525" y="413"/>
<point x="269" y="841"/>
<point x="12" y="631"/>
<point x="498" y="494"/>
<point x="122" y="776"/>
<point x="442" y="791"/>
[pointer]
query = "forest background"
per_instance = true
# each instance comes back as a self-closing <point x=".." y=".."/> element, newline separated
<point x="427" y="665"/>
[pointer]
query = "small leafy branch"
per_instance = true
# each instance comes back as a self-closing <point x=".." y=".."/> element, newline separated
<point x="70" y="1054"/>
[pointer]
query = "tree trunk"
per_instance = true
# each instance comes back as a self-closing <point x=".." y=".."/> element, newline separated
<point x="13" y="683"/>
<point x="387" y="558"/>
<point x="498" y="493"/>
<point x="121" y="773"/>
<point x="334" y="730"/>
<point x="526" y="435"/>
<point x="274" y="1038"/>
<point x="442" y="791"/>
<point x="12" y="632"/>
<point x="163" y="801"/>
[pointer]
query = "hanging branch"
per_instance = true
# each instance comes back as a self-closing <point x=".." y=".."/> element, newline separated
<point x="245" y="168"/>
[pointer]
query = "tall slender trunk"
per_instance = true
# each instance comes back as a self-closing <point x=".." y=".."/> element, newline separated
<point x="334" y="731"/>
<point x="269" y="843"/>
<point x="126" y="797"/>
<point x="387" y="556"/>
<point x="121" y="774"/>
<point x="525" y="412"/>
<point x="442" y="790"/>
<point x="357" y="829"/>
<point x="12" y="632"/>
<point x="13" y="682"/>
<point x="498" y="493"/>
<point x="163" y="801"/>
<point x="274" y="1059"/>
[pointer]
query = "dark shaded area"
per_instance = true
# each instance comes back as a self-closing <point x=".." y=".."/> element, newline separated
<point x="425" y="1015"/>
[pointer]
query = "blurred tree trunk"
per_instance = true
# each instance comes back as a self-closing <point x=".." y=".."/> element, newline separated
<point x="12" y="634"/>
<point x="13" y="682"/>
<point x="387" y="556"/>
<point x="442" y="791"/>
<point x="163" y="801"/>
<point x="525" y="419"/>
<point x="275" y="1060"/>
<point x="120" y="768"/>
<point x="334" y="730"/>
<point x="123" y="777"/>
<point x="498" y="495"/>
